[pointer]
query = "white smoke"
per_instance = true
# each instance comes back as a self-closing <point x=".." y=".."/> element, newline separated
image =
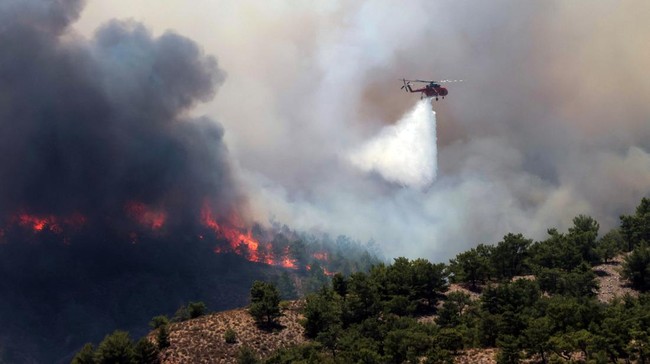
<point x="404" y="153"/>
<point x="527" y="145"/>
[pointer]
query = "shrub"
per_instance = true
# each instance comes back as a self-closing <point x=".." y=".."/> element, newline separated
<point x="196" y="309"/>
<point x="163" y="337"/>
<point x="246" y="355"/>
<point x="182" y="314"/>
<point x="158" y="321"/>
<point x="230" y="336"/>
<point x="284" y="305"/>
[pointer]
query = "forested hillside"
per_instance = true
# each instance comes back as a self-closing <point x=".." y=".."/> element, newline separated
<point x="534" y="301"/>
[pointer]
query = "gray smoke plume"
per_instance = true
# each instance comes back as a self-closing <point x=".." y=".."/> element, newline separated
<point x="551" y="122"/>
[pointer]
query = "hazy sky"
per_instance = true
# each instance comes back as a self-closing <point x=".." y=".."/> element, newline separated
<point x="552" y="119"/>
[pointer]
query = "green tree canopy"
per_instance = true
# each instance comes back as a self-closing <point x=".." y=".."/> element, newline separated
<point x="636" y="228"/>
<point x="340" y="284"/>
<point x="509" y="256"/>
<point x="580" y="282"/>
<point x="363" y="299"/>
<point x="116" y="348"/>
<point x="196" y="309"/>
<point x="322" y="312"/>
<point x="429" y="281"/>
<point x="472" y="266"/>
<point x="162" y="337"/>
<point x="636" y="267"/>
<point x="246" y="355"/>
<point x="265" y="303"/>
<point x="584" y="235"/>
<point x="146" y="352"/>
<point x="556" y="252"/>
<point x="85" y="356"/>
<point x="158" y="321"/>
<point x="610" y="245"/>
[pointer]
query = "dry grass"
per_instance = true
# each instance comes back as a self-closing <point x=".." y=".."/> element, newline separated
<point x="610" y="282"/>
<point x="473" y="295"/>
<point x="202" y="340"/>
<point x="477" y="356"/>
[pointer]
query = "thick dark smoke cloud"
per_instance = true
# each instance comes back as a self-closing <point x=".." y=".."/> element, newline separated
<point x="88" y="125"/>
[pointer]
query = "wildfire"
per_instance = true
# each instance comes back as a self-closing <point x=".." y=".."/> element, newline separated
<point x="286" y="261"/>
<point x="289" y="263"/>
<point x="145" y="215"/>
<point x="38" y="223"/>
<point x="240" y="240"/>
<point x="321" y="256"/>
<point x="325" y="271"/>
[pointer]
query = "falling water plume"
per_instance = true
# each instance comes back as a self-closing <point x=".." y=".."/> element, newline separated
<point x="404" y="153"/>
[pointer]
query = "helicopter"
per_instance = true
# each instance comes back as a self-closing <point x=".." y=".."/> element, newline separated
<point x="431" y="89"/>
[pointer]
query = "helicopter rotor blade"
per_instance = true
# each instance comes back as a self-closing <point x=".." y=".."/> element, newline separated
<point x="406" y="83"/>
<point x="441" y="81"/>
<point x="409" y="81"/>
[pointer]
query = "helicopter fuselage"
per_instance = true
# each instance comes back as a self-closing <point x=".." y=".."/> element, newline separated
<point x="431" y="90"/>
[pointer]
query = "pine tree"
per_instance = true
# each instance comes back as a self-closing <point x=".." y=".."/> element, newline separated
<point x="265" y="303"/>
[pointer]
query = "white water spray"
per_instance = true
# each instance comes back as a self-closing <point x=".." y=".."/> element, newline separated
<point x="404" y="153"/>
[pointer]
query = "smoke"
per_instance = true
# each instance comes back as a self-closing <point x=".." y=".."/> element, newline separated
<point x="97" y="150"/>
<point x="551" y="122"/>
<point x="88" y="125"/>
<point x="404" y="153"/>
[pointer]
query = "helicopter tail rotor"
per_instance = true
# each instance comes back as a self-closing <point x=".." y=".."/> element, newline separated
<point x="407" y="85"/>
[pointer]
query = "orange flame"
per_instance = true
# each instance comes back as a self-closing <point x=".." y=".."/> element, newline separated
<point x="325" y="271"/>
<point x="242" y="241"/>
<point x="146" y="216"/>
<point x="34" y="222"/>
<point x="289" y="263"/>
<point x="38" y="223"/>
<point x="238" y="238"/>
<point x="321" y="256"/>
